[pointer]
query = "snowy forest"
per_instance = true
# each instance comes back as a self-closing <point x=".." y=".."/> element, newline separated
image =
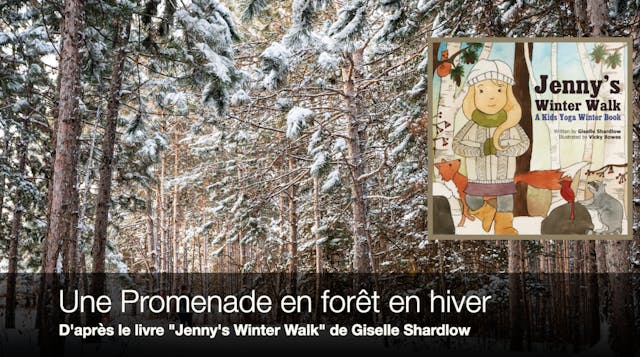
<point x="214" y="136"/>
<point x="256" y="136"/>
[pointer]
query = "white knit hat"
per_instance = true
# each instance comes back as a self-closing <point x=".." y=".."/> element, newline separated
<point x="490" y="69"/>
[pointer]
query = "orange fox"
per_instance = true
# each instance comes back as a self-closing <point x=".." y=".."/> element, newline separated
<point x="548" y="179"/>
<point x="449" y="172"/>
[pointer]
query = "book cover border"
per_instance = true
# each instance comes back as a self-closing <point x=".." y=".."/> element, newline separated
<point x="628" y="204"/>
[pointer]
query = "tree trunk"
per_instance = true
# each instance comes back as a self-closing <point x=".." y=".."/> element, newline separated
<point x="282" y="229"/>
<point x="76" y="257"/>
<point x="85" y="191"/>
<point x="16" y="231"/>
<point x="70" y="243"/>
<point x="3" y="163"/>
<point x="174" y="207"/>
<point x="580" y="10"/>
<point x="151" y="239"/>
<point x="598" y="16"/>
<point x="521" y="92"/>
<point x="174" y="244"/>
<point x="69" y="123"/>
<point x="356" y="142"/>
<point x="103" y="198"/>
<point x="166" y="237"/>
<point x="621" y="332"/>
<point x="161" y="223"/>
<point x="516" y="298"/>
<point x="205" y="263"/>
<point x="242" y="254"/>
<point x="317" y="224"/>
<point x="317" y="221"/>
<point x="185" y="245"/>
<point x="185" y="257"/>
<point x="434" y="55"/>
<point x="63" y="182"/>
<point x="293" y="222"/>
<point x="205" y="270"/>
<point x="42" y="314"/>
<point x="50" y="163"/>
<point x="446" y="111"/>
<point x="592" y="301"/>
<point x="603" y="282"/>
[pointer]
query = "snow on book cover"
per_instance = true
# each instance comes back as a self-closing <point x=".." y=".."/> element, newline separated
<point x="530" y="138"/>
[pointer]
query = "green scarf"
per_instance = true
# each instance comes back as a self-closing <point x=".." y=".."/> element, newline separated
<point x="489" y="120"/>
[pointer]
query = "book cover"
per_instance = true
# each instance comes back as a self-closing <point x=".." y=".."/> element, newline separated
<point x="530" y="138"/>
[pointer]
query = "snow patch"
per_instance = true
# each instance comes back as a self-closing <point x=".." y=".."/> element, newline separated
<point x="297" y="120"/>
<point x="328" y="61"/>
<point x="339" y="145"/>
<point x="277" y="52"/>
<point x="442" y="189"/>
<point x="424" y="5"/>
<point x="319" y="162"/>
<point x="332" y="180"/>
<point x="275" y="62"/>
<point x="219" y="65"/>
<point x="524" y="225"/>
<point x="240" y="97"/>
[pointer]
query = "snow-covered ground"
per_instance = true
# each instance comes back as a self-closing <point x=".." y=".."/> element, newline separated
<point x="524" y="225"/>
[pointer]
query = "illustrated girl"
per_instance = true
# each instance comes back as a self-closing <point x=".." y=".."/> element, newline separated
<point x="490" y="141"/>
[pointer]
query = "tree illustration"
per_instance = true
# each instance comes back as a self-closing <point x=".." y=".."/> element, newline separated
<point x="521" y="91"/>
<point x="469" y="55"/>
<point x="598" y="53"/>
<point x="449" y="66"/>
